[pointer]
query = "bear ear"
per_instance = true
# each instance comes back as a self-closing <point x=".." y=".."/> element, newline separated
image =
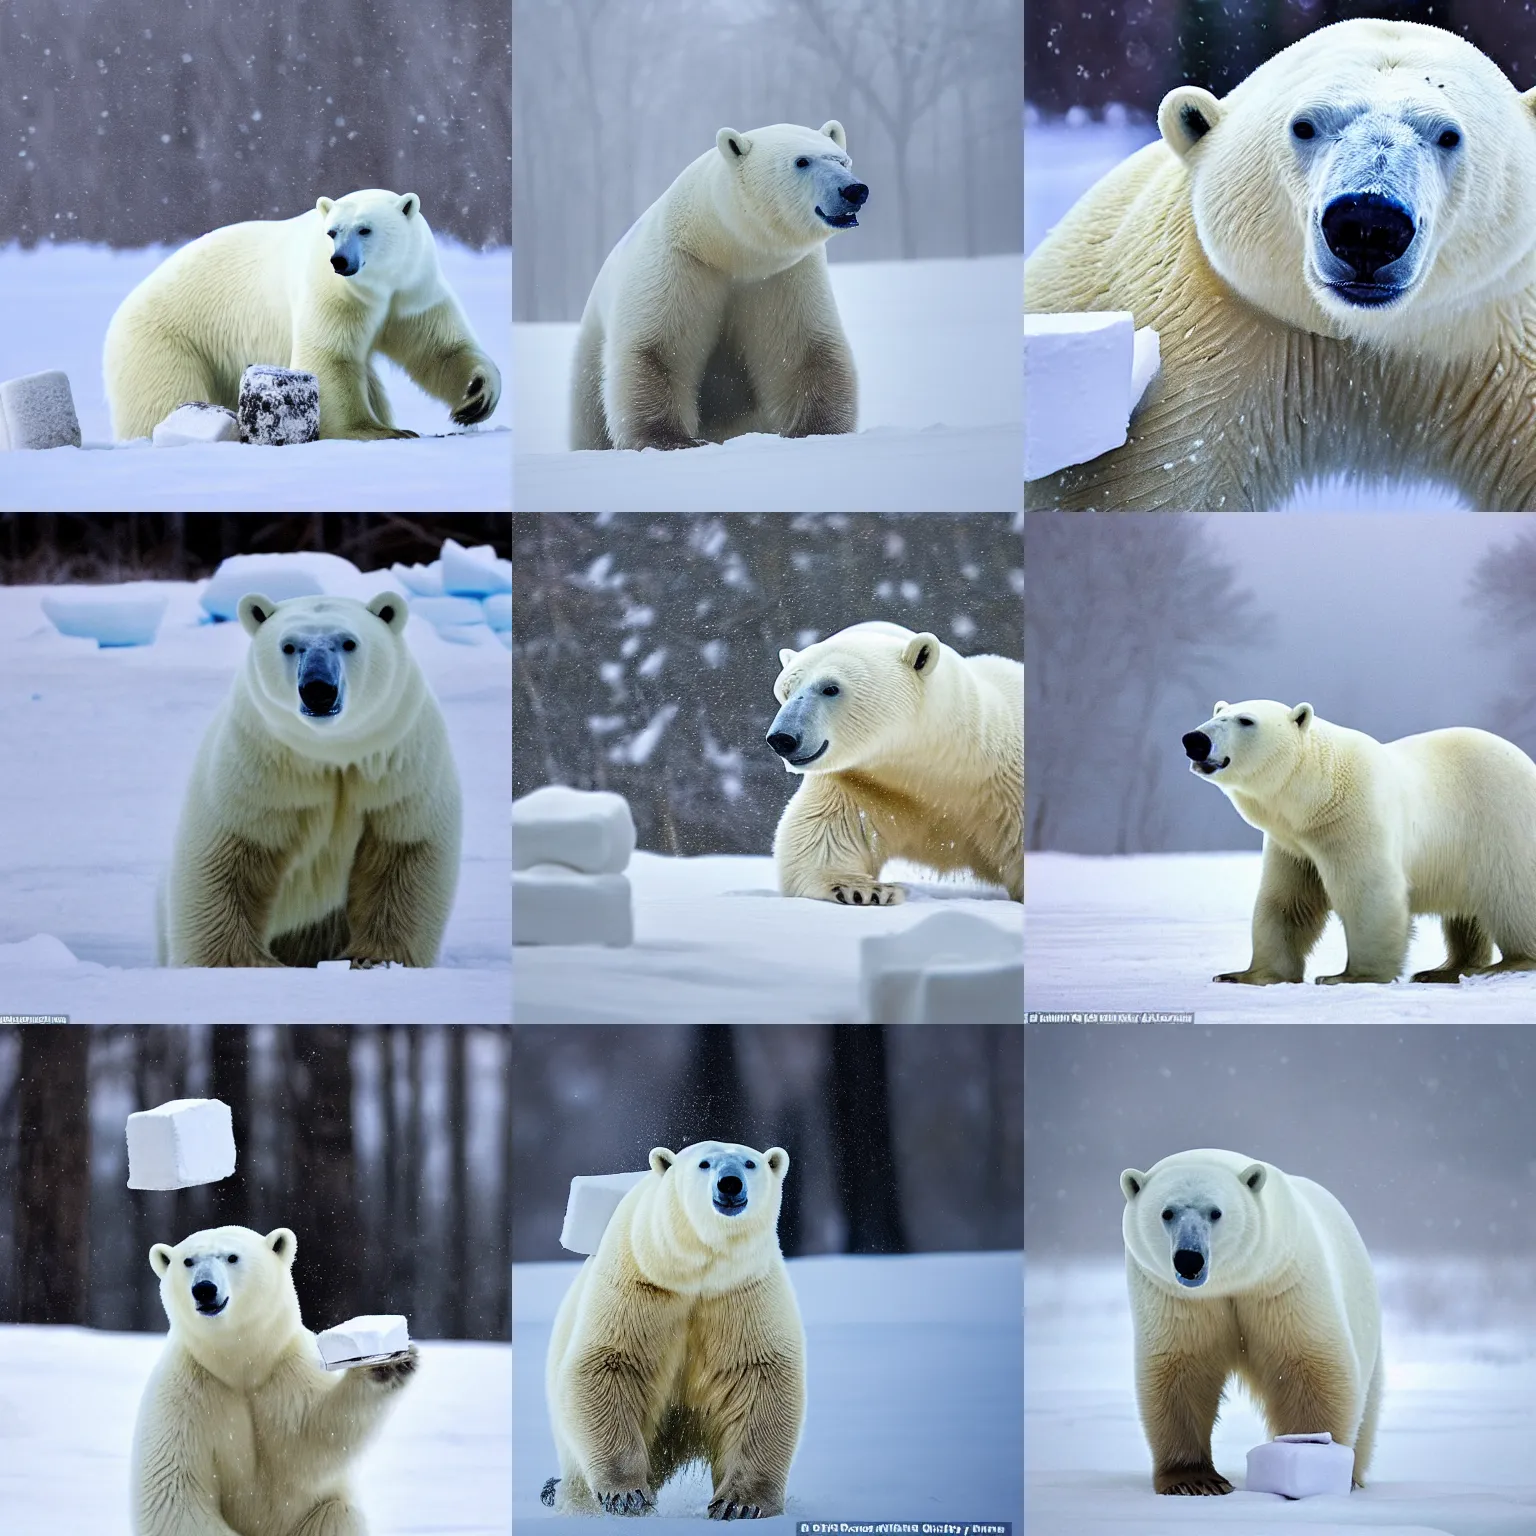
<point x="778" y="1161"/>
<point x="1186" y="116"/>
<point x="1254" y="1176"/>
<point x="409" y="204"/>
<point x="834" y="131"/>
<point x="391" y="608"/>
<point x="160" y="1259"/>
<point x="786" y="656"/>
<point x="921" y="653"/>
<point x="733" y="145"/>
<point x="1221" y="704"/>
<point x="323" y="206"/>
<point x="284" y="1244"/>
<point x="1132" y="1181"/>
<point x="662" y="1158"/>
<point x="1302" y="715"/>
<point x="254" y="611"/>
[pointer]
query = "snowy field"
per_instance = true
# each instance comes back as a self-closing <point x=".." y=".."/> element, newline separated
<point x="940" y="404"/>
<point x="55" y="302"/>
<point x="715" y="943"/>
<point x="69" y="1396"/>
<point x="1453" y="1451"/>
<point x="95" y="750"/>
<point x="1149" y="932"/>
<point x="913" y="1386"/>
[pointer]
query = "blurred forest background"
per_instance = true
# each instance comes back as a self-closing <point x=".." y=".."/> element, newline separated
<point x="1137" y="623"/>
<point x="1091" y="53"/>
<point x="900" y="1140"/>
<point x="385" y="1148"/>
<point x="52" y="548"/>
<point x="612" y="98"/>
<point x="145" y="122"/>
<point x="645" y="647"/>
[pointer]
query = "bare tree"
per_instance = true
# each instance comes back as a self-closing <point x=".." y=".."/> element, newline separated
<point x="326" y="1218"/>
<point x="865" y="1167"/>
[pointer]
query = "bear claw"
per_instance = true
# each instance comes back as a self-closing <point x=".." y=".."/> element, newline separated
<point x="392" y="1373"/>
<point x="867" y="895"/>
<point x="547" y="1492"/>
<point x="733" y="1509"/>
<point x="634" y="1501"/>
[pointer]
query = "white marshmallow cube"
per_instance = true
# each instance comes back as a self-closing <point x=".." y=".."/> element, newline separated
<point x="180" y="1144"/>
<point x="38" y="411"/>
<point x="555" y="905"/>
<point x="1299" y="1466"/>
<point x="586" y="829"/>
<point x="951" y="968"/>
<point x="363" y="1341"/>
<point x="196" y="422"/>
<point x="593" y="1200"/>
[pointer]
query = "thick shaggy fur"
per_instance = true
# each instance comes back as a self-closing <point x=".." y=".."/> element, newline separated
<point x="242" y="1431"/>
<point x="1441" y="823"/>
<point x="266" y="292"/>
<point x="1269" y="378"/>
<point x="713" y="316"/>
<point x="305" y="839"/>
<point x="925" y="761"/>
<point x="680" y="1340"/>
<point x="1287" y="1302"/>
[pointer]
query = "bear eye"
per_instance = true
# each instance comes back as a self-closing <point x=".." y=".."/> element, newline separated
<point x="187" y="1262"/>
<point x="1215" y="1214"/>
<point x="1303" y="128"/>
<point x="365" y="230"/>
<point x="1244" y="720"/>
<point x="830" y="690"/>
<point x="705" y="1163"/>
<point x="288" y="648"/>
<point x="802" y="162"/>
<point x="330" y="234"/>
<point x="751" y="1165"/>
<point x="1449" y="139"/>
<point x="234" y="1258"/>
<point x="1168" y="1213"/>
<point x="349" y="645"/>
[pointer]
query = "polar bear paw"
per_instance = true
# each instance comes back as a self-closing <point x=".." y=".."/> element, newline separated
<point x="735" y="1509"/>
<point x="393" y="1374"/>
<point x="867" y="893"/>
<point x="1252" y="978"/>
<point x="1191" y="1480"/>
<point x="631" y="1501"/>
<point x="477" y="403"/>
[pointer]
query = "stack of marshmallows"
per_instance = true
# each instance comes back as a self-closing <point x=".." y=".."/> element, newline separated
<point x="570" y="848"/>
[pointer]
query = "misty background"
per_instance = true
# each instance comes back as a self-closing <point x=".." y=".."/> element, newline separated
<point x="646" y="646"/>
<point x="613" y="98"/>
<point x="1137" y="623"/>
<point x="385" y="1148"/>
<point x="1424" y="1134"/>
<point x="143" y="122"/>
<point x="900" y="1139"/>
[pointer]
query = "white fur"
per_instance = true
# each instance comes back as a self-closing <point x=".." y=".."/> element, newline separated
<point x="731" y="255"/>
<point x="924" y="761"/>
<point x="241" y="1430"/>
<point x="265" y="292"/>
<point x="1441" y="823"/>
<point x="284" y="811"/>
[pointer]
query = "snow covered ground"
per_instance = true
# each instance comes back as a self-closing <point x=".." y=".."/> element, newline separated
<point x="55" y="302"/>
<point x="69" y="1397"/>
<point x="716" y="943"/>
<point x="914" y="1395"/>
<point x="95" y="750"/>
<point x="1452" y="1452"/>
<point x="1143" y="933"/>
<point x="937" y="345"/>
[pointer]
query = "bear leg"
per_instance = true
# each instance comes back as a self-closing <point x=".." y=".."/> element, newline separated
<point x="397" y="902"/>
<point x="1288" y="918"/>
<point x="1377" y="924"/>
<point x="1180" y="1396"/>
<point x="823" y="849"/>
<point x="1468" y="951"/>
<point x="589" y="426"/>
<point x="222" y="892"/>
<point x="148" y="377"/>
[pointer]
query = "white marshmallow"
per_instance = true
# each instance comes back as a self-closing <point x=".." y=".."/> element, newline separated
<point x="593" y="1200"/>
<point x="196" y="422"/>
<point x="177" y="1145"/>
<point x="555" y="905"/>
<point x="586" y="829"/>
<point x="1299" y="1466"/>
<point x="38" y="411"/>
<point x="951" y="968"/>
<point x="363" y="1341"/>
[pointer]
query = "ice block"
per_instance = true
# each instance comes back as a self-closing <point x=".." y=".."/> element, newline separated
<point x="177" y="1145"/>
<point x="593" y="1200"/>
<point x="1298" y="1466"/>
<point x="363" y="1341"/>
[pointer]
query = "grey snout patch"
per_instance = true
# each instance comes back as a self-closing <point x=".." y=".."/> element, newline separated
<point x="347" y="258"/>
<point x="798" y="734"/>
<point x="1191" y="1252"/>
<point x="320" y="683"/>
<point x="730" y="1186"/>
<point x="208" y="1293"/>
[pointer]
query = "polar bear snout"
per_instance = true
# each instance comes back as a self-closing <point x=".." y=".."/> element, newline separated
<point x="1197" y="745"/>
<point x="347" y="258"/>
<point x="210" y="1287"/>
<point x="843" y="204"/>
<point x="730" y="1190"/>
<point x="1368" y="233"/>
<point x="1189" y="1264"/>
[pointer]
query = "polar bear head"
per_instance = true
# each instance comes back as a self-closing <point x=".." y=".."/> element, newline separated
<point x="707" y="1219"/>
<point x="331" y="677"/>
<point x="1199" y="1221"/>
<point x="377" y="232"/>
<point x="1375" y="181"/>
<point x="789" y="187"/>
<point x="1250" y="747"/>
<point x="228" y="1293"/>
<point x="855" y="697"/>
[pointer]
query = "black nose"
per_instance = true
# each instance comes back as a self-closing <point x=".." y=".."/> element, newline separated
<point x="1188" y="1263"/>
<point x="205" y="1293"/>
<point x="339" y="263"/>
<point x="784" y="744"/>
<point x="1367" y="230"/>
<point x="856" y="193"/>
<point x="1197" y="745"/>
<point x="319" y="696"/>
<point x="730" y="1186"/>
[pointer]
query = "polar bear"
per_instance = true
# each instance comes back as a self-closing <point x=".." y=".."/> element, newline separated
<point x="1441" y="823"/>
<point x="322" y="817"/>
<point x="322" y="292"/>
<point x="1340" y="259"/>
<point x="680" y="1340"/>
<point x="713" y="316"/>
<point x="906" y="749"/>
<point x="1237" y="1268"/>
<point x="242" y="1431"/>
